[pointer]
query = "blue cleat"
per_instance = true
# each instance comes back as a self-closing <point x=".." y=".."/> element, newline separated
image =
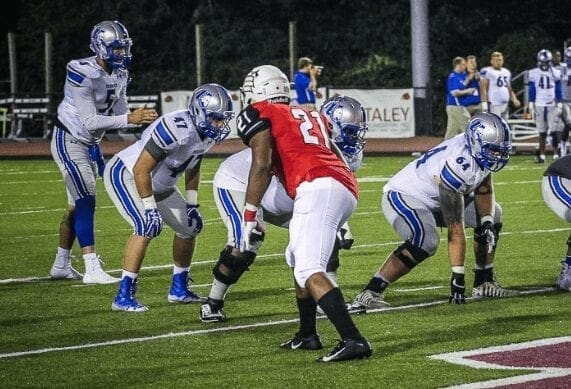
<point x="125" y="299"/>
<point x="179" y="291"/>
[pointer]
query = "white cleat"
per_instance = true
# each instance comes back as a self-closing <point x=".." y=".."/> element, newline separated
<point x="492" y="289"/>
<point x="99" y="276"/>
<point x="564" y="278"/>
<point x="366" y="300"/>
<point x="65" y="273"/>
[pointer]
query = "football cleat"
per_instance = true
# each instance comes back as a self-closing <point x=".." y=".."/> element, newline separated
<point x="492" y="289"/>
<point x="94" y="274"/>
<point x="209" y="313"/>
<point x="564" y="278"/>
<point x="65" y="273"/>
<point x="348" y="349"/>
<point x="311" y="342"/>
<point x="179" y="291"/>
<point x="366" y="300"/>
<point x="125" y="300"/>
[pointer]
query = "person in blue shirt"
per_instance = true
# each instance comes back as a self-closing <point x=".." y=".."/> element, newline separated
<point x="473" y="101"/>
<point x="305" y="83"/>
<point x="456" y="87"/>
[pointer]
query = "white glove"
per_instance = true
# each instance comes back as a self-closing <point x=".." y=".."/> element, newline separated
<point x="253" y="230"/>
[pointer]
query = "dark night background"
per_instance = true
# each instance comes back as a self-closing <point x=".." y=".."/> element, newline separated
<point x="361" y="43"/>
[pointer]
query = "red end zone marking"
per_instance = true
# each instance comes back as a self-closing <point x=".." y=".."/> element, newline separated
<point x="556" y="355"/>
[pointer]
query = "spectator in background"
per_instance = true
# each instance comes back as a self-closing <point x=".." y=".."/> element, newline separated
<point x="496" y="87"/>
<point x="545" y="102"/>
<point x="556" y="190"/>
<point x="566" y="100"/>
<point x="472" y="102"/>
<point x="95" y="100"/>
<point x="456" y="87"/>
<point x="305" y="83"/>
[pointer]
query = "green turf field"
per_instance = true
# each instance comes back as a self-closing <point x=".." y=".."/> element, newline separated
<point x="64" y="334"/>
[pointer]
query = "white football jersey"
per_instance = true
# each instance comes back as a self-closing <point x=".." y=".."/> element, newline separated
<point x="232" y="174"/>
<point x="94" y="101"/>
<point x="544" y="81"/>
<point x="175" y="134"/>
<point x="566" y="82"/>
<point x="498" y="84"/>
<point x="354" y="161"/>
<point x="449" y="162"/>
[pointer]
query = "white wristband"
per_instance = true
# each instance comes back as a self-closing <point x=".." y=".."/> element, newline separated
<point x="149" y="202"/>
<point x="487" y="218"/>
<point x="251" y="207"/>
<point x="458" y="269"/>
<point x="192" y="197"/>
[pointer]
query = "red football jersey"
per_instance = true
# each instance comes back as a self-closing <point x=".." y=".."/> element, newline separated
<point x="302" y="150"/>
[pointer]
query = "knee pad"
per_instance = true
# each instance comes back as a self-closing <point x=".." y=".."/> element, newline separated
<point x="418" y="254"/>
<point x="236" y="265"/>
<point x="83" y="221"/>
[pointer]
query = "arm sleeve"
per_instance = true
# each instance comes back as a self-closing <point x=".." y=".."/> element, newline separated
<point x="84" y="103"/>
<point x="531" y="87"/>
<point x="249" y="124"/>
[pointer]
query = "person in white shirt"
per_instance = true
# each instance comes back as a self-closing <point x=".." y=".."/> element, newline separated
<point x="95" y="100"/>
<point x="448" y="186"/>
<point x="565" y="100"/>
<point x="545" y="102"/>
<point x="346" y="119"/>
<point x="496" y="87"/>
<point x="141" y="180"/>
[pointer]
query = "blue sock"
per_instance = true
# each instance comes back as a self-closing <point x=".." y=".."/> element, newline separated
<point x="83" y="221"/>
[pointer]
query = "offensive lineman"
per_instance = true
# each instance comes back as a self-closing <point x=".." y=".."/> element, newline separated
<point x="496" y="87"/>
<point x="435" y="190"/>
<point x="95" y="100"/>
<point x="141" y="181"/>
<point x="346" y="118"/>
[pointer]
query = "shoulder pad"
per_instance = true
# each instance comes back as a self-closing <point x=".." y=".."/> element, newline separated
<point x="86" y="67"/>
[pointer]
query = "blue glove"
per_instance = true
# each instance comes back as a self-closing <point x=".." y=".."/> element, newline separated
<point x="96" y="156"/>
<point x="194" y="218"/>
<point x="153" y="223"/>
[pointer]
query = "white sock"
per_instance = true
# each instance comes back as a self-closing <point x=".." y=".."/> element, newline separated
<point x="129" y="274"/>
<point x="218" y="290"/>
<point x="177" y="269"/>
<point x="62" y="257"/>
<point x="91" y="262"/>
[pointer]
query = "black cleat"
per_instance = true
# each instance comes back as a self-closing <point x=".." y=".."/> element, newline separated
<point x="311" y="342"/>
<point x="348" y="349"/>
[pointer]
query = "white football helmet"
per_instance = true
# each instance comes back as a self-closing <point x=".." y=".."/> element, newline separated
<point x="348" y="122"/>
<point x="544" y="59"/>
<point x="488" y="139"/>
<point x="265" y="82"/>
<point x="110" y="41"/>
<point x="210" y="108"/>
<point x="567" y="55"/>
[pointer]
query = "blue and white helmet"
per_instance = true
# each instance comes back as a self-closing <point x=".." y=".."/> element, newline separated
<point x="544" y="59"/>
<point x="110" y="41"/>
<point x="210" y="108"/>
<point x="488" y="140"/>
<point x="348" y="122"/>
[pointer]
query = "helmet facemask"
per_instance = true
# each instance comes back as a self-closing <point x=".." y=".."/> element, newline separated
<point x="210" y="109"/>
<point x="544" y="59"/>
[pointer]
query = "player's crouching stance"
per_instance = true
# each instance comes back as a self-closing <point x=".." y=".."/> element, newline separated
<point x="556" y="190"/>
<point x="292" y="142"/>
<point x="449" y="186"/>
<point x="346" y="118"/>
<point x="141" y="180"/>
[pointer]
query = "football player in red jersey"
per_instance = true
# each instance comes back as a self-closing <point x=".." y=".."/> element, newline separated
<point x="292" y="142"/>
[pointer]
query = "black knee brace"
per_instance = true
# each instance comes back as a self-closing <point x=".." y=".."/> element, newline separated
<point x="236" y="265"/>
<point x="418" y="254"/>
<point x="333" y="263"/>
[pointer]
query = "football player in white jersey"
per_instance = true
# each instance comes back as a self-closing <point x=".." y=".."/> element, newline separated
<point x="95" y="100"/>
<point x="556" y="191"/>
<point x="141" y="181"/>
<point x="566" y="100"/>
<point x="346" y="118"/>
<point x="496" y="87"/>
<point x="449" y="186"/>
<point x="545" y="102"/>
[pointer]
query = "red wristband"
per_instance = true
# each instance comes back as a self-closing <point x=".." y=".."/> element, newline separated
<point x="249" y="216"/>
